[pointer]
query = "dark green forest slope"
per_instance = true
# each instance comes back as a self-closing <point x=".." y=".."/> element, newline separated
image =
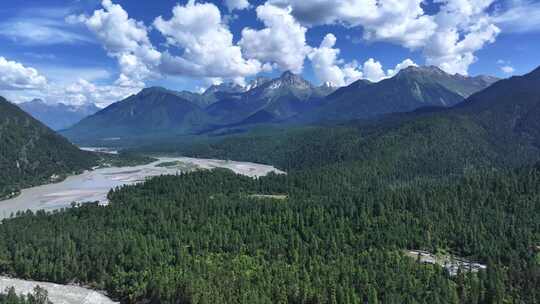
<point x="337" y="238"/>
<point x="31" y="153"/>
<point x="437" y="145"/>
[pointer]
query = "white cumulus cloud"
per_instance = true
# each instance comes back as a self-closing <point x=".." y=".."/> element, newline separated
<point x="236" y="4"/>
<point x="15" y="76"/>
<point x="373" y="69"/>
<point x="329" y="68"/>
<point x="449" y="38"/>
<point x="124" y="39"/>
<point x="282" y="43"/>
<point x="400" y="21"/>
<point x="83" y="92"/>
<point x="463" y="28"/>
<point x="207" y="44"/>
<point x="20" y="83"/>
<point x="400" y="66"/>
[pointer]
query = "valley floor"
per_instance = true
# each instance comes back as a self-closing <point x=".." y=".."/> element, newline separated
<point x="93" y="186"/>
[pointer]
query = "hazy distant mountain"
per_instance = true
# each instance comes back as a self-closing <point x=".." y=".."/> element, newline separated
<point x="278" y="99"/>
<point x="58" y="116"/>
<point x="410" y="89"/>
<point x="154" y="110"/>
<point x="31" y="153"/>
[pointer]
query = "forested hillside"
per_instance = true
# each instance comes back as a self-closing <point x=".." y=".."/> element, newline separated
<point x="31" y="153"/>
<point x="337" y="238"/>
<point x="434" y="145"/>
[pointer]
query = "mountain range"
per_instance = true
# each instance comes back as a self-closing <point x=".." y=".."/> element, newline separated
<point x="158" y="111"/>
<point x="58" y="116"/>
<point x="412" y="88"/>
<point x="287" y="99"/>
<point x="274" y="100"/>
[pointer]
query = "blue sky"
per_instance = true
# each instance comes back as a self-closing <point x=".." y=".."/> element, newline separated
<point x="101" y="51"/>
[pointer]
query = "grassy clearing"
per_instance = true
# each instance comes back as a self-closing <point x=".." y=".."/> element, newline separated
<point x="280" y="197"/>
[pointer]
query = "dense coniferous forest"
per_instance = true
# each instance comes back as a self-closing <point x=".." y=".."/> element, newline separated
<point x="436" y="144"/>
<point x="338" y="238"/>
